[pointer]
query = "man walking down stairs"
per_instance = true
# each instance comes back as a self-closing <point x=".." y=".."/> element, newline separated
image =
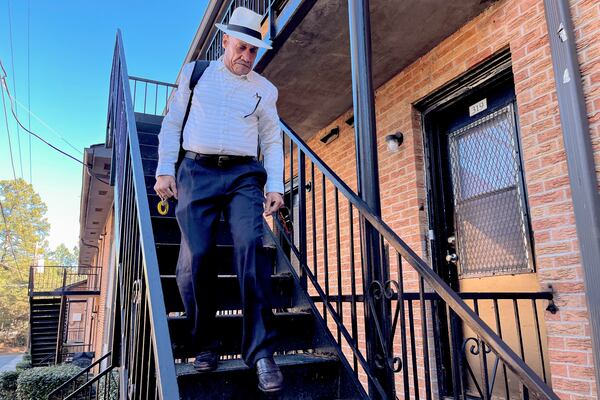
<point x="218" y="123"/>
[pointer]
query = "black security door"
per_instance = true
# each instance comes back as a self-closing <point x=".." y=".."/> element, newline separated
<point x="480" y="234"/>
<point x="483" y="225"/>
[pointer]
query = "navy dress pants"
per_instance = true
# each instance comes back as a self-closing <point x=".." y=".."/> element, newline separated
<point x="205" y="191"/>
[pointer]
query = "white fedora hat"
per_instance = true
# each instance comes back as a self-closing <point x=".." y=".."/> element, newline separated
<point x="244" y="24"/>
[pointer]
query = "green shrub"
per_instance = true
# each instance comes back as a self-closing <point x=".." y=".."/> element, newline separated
<point x="37" y="383"/>
<point x="25" y="363"/>
<point x="8" y="384"/>
<point x="111" y="380"/>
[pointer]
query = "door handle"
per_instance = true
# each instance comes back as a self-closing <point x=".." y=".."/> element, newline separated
<point x="453" y="258"/>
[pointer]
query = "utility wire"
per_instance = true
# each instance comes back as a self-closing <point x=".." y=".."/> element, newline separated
<point x="12" y="162"/>
<point x="57" y="134"/>
<point x="12" y="59"/>
<point x="29" y="86"/>
<point x="12" y="108"/>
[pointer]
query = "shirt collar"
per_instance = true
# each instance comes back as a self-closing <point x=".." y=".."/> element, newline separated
<point x="222" y="67"/>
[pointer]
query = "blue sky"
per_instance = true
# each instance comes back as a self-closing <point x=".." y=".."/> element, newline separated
<point x="71" y="49"/>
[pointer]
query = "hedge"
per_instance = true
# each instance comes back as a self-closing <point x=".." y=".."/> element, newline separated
<point x="8" y="384"/>
<point x="112" y="386"/>
<point x="25" y="362"/>
<point x="37" y="383"/>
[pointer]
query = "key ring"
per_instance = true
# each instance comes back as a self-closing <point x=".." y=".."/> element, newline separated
<point x="163" y="207"/>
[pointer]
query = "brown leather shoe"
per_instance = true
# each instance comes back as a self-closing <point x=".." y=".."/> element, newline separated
<point x="270" y="379"/>
<point x="206" y="361"/>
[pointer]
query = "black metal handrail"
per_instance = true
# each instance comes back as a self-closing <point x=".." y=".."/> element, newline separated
<point x="57" y="279"/>
<point x="92" y="390"/>
<point x="382" y="294"/>
<point x="146" y="354"/>
<point x="69" y="385"/>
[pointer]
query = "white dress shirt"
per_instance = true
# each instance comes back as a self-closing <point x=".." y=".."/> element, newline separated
<point x="228" y="115"/>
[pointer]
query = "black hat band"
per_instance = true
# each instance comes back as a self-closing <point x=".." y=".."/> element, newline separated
<point x="243" y="29"/>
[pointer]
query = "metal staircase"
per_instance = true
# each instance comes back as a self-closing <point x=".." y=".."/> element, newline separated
<point x="44" y="321"/>
<point x="305" y="351"/>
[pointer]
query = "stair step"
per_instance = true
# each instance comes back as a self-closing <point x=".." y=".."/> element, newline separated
<point x="148" y="122"/>
<point x="148" y="138"/>
<point x="45" y="319"/>
<point x="44" y="342"/>
<point x="168" y="253"/>
<point x="44" y="323"/>
<point x="149" y="152"/>
<point x="166" y="230"/>
<point x="149" y="166"/>
<point x="306" y="376"/>
<point x="295" y="332"/>
<point x="228" y="292"/>
<point x="43" y="306"/>
<point x="44" y="312"/>
<point x="45" y="300"/>
<point x="40" y="333"/>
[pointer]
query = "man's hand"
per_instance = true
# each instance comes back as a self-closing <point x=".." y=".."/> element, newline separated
<point x="165" y="187"/>
<point x="273" y="202"/>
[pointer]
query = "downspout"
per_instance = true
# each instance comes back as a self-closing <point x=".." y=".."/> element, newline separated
<point x="580" y="158"/>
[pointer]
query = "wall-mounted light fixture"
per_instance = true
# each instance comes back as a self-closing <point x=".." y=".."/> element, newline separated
<point x="331" y="136"/>
<point x="394" y="141"/>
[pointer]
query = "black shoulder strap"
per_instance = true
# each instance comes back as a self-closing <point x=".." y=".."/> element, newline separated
<point x="199" y="68"/>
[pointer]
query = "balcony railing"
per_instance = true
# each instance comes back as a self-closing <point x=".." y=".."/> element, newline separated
<point x="149" y="96"/>
<point x="64" y="280"/>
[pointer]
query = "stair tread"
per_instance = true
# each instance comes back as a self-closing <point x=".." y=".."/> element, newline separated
<point x="301" y="314"/>
<point x="238" y="365"/>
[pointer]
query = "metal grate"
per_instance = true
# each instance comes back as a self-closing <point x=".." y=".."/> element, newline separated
<point x="491" y="224"/>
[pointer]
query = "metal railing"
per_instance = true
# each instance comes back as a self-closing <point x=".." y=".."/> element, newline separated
<point x="155" y="100"/>
<point x="146" y="355"/>
<point x="75" y="335"/>
<point x="88" y="385"/>
<point x="58" y="280"/>
<point x="327" y="256"/>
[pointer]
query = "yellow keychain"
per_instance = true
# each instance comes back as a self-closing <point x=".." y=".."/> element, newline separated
<point x="163" y="207"/>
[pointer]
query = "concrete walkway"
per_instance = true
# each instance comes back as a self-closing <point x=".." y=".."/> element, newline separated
<point x="8" y="362"/>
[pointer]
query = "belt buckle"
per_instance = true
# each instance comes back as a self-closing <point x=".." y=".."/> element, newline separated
<point x="221" y="160"/>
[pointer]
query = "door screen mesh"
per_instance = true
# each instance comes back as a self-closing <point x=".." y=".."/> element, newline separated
<point x="492" y="235"/>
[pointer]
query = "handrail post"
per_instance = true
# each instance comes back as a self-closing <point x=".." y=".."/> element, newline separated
<point x="368" y="185"/>
<point x="272" y="22"/>
<point x="302" y="214"/>
<point x="61" y="319"/>
<point x="31" y="280"/>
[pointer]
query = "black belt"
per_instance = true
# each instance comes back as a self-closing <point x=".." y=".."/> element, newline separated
<point x="218" y="160"/>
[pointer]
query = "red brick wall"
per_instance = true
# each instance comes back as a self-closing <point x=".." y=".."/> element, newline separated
<point x="519" y="25"/>
<point x="103" y="261"/>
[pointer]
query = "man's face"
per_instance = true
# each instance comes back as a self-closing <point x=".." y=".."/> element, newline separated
<point x="239" y="56"/>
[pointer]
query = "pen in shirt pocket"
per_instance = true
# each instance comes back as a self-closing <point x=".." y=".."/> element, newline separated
<point x="256" y="106"/>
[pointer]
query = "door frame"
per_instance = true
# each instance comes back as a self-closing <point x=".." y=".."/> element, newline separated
<point x="492" y="72"/>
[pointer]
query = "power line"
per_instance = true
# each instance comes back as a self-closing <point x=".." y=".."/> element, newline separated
<point x="57" y="134"/>
<point x="12" y="162"/>
<point x="12" y="60"/>
<point x="12" y="108"/>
